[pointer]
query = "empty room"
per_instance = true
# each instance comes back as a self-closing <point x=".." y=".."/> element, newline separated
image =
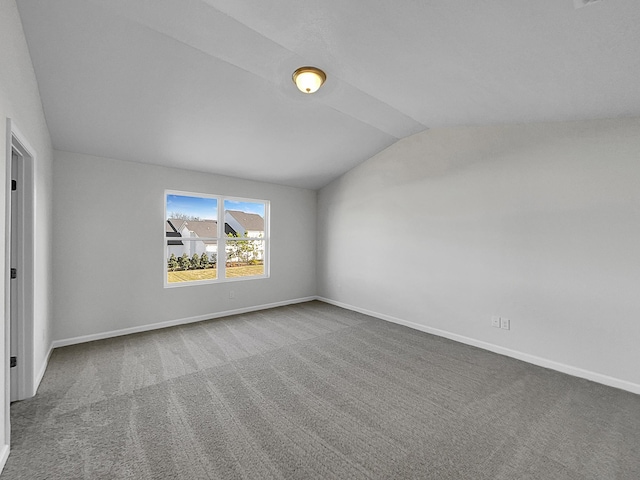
<point x="320" y="240"/>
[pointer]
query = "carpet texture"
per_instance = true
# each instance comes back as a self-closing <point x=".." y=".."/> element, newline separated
<point x="312" y="391"/>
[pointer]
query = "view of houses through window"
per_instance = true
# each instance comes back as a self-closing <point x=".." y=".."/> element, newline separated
<point x="211" y="238"/>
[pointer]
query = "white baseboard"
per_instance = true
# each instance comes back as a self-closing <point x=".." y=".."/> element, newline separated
<point x="525" y="357"/>
<point x="43" y="368"/>
<point x="4" y="454"/>
<point x="173" y="323"/>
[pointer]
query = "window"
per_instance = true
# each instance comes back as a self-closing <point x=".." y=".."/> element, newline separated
<point x="209" y="238"/>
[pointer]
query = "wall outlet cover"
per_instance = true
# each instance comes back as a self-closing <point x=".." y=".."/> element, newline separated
<point x="505" y="324"/>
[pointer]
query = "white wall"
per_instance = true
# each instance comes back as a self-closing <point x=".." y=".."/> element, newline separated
<point x="20" y="101"/>
<point x="102" y="284"/>
<point x="538" y="223"/>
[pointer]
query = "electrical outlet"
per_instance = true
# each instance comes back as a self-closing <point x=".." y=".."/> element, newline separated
<point x="495" y="321"/>
<point x="505" y="323"/>
<point x="232" y="294"/>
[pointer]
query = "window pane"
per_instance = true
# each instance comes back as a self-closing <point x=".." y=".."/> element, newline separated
<point x="244" y="218"/>
<point x="190" y="217"/>
<point x="191" y="260"/>
<point x="245" y="258"/>
<point x="185" y="207"/>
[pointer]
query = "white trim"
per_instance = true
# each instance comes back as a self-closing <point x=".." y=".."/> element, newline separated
<point x="525" y="357"/>
<point x="26" y="258"/>
<point x="5" y="346"/>
<point x="43" y="368"/>
<point x="4" y="455"/>
<point x="191" y="283"/>
<point x="173" y="323"/>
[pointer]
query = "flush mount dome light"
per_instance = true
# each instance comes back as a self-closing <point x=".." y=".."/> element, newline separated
<point x="309" y="79"/>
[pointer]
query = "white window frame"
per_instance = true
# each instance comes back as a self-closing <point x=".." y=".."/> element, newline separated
<point x="220" y="239"/>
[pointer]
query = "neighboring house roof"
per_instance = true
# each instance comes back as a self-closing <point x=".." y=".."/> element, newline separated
<point x="209" y="228"/>
<point x="203" y="228"/>
<point x="249" y="221"/>
<point x="229" y="230"/>
<point x="172" y="233"/>
<point x="176" y="223"/>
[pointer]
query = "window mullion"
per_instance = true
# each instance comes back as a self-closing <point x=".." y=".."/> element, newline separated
<point x="222" y="244"/>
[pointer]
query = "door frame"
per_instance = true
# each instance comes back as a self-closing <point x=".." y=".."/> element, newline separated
<point x="25" y="262"/>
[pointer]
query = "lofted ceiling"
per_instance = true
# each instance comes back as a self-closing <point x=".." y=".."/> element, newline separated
<point x="206" y="84"/>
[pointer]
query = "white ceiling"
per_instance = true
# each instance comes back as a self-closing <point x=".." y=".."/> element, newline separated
<point x="206" y="84"/>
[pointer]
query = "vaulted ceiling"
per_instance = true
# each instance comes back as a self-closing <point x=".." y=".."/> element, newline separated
<point x="206" y="84"/>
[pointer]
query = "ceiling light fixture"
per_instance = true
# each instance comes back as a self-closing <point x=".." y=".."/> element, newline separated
<point x="309" y="79"/>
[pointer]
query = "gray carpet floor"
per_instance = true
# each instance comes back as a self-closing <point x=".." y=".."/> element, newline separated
<point x="312" y="391"/>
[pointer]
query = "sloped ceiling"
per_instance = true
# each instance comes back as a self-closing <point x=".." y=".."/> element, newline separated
<point x="206" y="84"/>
